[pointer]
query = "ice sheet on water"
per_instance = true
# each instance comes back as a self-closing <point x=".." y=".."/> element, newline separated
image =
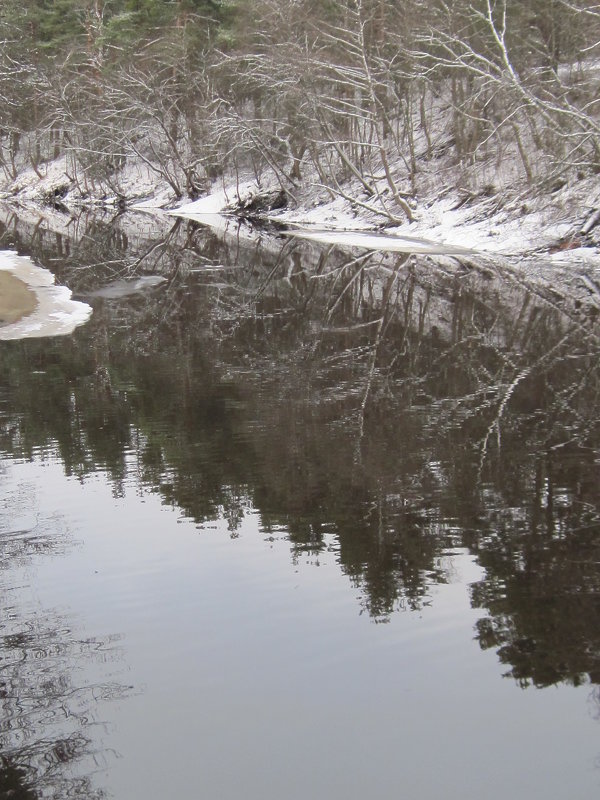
<point x="380" y="241"/>
<point x="31" y="305"/>
<point x="125" y="287"/>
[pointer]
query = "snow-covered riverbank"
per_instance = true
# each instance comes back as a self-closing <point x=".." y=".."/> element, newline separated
<point x="497" y="225"/>
<point x="562" y="224"/>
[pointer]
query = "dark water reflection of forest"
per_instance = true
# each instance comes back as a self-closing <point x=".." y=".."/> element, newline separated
<point x="392" y="410"/>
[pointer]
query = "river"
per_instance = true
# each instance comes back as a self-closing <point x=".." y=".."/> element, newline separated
<point x="288" y="520"/>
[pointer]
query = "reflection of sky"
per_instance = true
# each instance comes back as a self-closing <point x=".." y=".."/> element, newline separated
<point x="256" y="676"/>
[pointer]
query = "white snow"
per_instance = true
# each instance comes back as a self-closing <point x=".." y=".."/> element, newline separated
<point x="54" y="314"/>
<point x="452" y="209"/>
<point x="220" y="199"/>
<point x="391" y="243"/>
<point x="29" y="186"/>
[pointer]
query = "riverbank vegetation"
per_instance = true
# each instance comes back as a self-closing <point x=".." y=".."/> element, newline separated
<point x="377" y="103"/>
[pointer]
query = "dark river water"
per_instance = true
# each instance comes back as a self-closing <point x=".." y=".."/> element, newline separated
<point x="283" y="521"/>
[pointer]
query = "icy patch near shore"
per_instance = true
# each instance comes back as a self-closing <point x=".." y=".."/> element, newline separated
<point x="35" y="306"/>
<point x="123" y="288"/>
<point x="396" y="243"/>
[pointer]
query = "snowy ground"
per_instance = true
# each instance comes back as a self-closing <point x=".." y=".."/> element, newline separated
<point x="514" y="228"/>
<point x="509" y="222"/>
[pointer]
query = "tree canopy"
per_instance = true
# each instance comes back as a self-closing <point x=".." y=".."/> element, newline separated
<point x="350" y="90"/>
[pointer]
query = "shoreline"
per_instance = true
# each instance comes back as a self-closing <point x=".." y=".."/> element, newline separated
<point x="17" y="300"/>
<point x="31" y="304"/>
<point x="562" y="225"/>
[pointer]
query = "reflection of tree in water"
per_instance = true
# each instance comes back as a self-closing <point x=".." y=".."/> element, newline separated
<point x="46" y="747"/>
<point x="381" y="406"/>
<point x="13" y="781"/>
<point x="542" y="585"/>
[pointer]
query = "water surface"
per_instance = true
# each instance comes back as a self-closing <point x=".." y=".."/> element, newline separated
<point x="286" y="521"/>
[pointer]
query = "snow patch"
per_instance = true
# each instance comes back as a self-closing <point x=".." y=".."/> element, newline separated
<point x="54" y="181"/>
<point x="222" y="200"/>
<point x="39" y="307"/>
<point x="382" y="242"/>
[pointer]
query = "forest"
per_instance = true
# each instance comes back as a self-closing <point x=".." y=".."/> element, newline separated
<point x="378" y="102"/>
